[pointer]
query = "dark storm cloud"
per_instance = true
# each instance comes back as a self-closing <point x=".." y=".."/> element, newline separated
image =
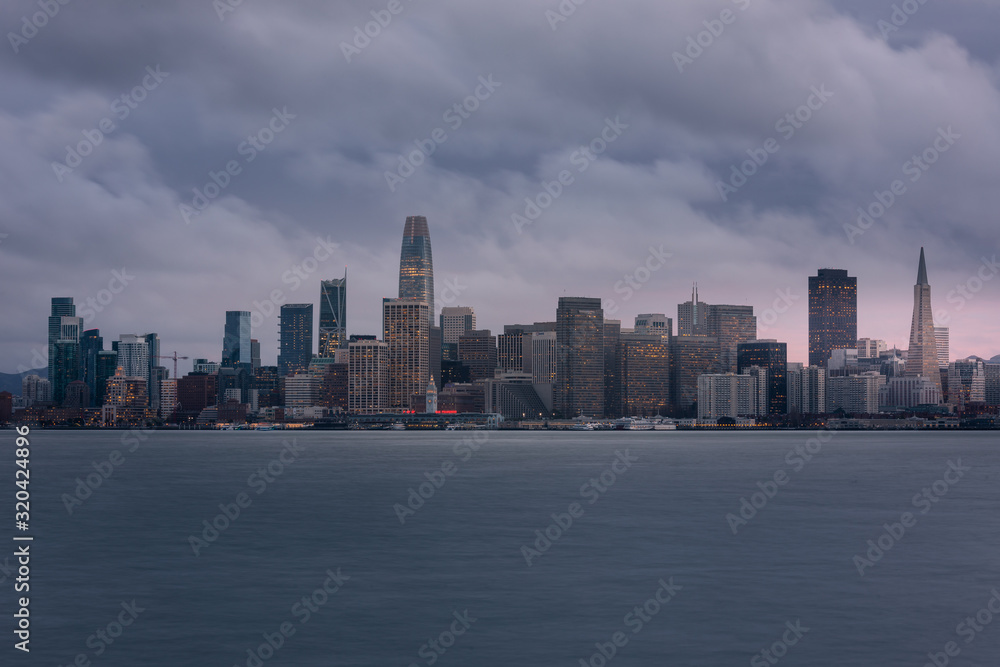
<point x="348" y="124"/>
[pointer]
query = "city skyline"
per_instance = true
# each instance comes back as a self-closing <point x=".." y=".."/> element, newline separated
<point x="820" y="201"/>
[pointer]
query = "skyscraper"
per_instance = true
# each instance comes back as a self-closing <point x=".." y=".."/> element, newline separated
<point x="643" y="365"/>
<point x="406" y="330"/>
<point x="478" y="351"/>
<point x="922" y="358"/>
<point x="942" y="337"/>
<point x="416" y="265"/>
<point x="732" y="325"/>
<point x="692" y="317"/>
<point x="773" y="356"/>
<point x="90" y="344"/>
<point x="579" y="357"/>
<point x="332" y="315"/>
<point x="295" y="342"/>
<point x="368" y="376"/>
<point x="236" y="341"/>
<point x="456" y="322"/>
<point x="833" y="314"/>
<point x="62" y="306"/>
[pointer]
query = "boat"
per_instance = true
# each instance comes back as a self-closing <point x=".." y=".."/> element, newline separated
<point x="583" y="427"/>
<point x="398" y="426"/>
<point x="635" y="424"/>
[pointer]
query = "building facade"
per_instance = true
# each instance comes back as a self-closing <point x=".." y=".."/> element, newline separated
<point x="295" y="338"/>
<point x="332" y="315"/>
<point x="833" y="314"/>
<point x="579" y="386"/>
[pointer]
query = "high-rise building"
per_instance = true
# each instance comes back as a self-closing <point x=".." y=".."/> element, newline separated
<point x="456" y="321"/>
<point x="255" y="353"/>
<point x="690" y="356"/>
<point x="727" y="395"/>
<point x="168" y="399"/>
<point x="510" y="350"/>
<point x="793" y="376"/>
<point x="922" y="358"/>
<point x="814" y="390"/>
<point x="105" y="366"/>
<point x="406" y="330"/>
<point x="91" y="342"/>
<point x="126" y="391"/>
<point x="61" y="306"/>
<point x="296" y="341"/>
<point x="35" y="389"/>
<point x="368" y="377"/>
<point x="332" y="315"/>
<point x="992" y="370"/>
<point x="66" y="367"/>
<point x="732" y="325"/>
<point x="478" y="351"/>
<point x="773" y="356"/>
<point x="543" y="357"/>
<point x="153" y="376"/>
<point x="654" y="323"/>
<point x="908" y="392"/>
<point x="644" y="375"/>
<point x="942" y="336"/>
<point x="612" y="360"/>
<point x="833" y="314"/>
<point x="966" y="382"/>
<point x="692" y="317"/>
<point x="871" y="348"/>
<point x="855" y="394"/>
<point x="416" y="265"/>
<point x="579" y="386"/>
<point x="133" y="358"/>
<point x="236" y="347"/>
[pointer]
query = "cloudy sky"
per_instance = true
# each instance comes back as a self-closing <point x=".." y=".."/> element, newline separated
<point x="116" y="115"/>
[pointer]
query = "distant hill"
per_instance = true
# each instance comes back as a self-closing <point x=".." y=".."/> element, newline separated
<point x="12" y="381"/>
<point x="995" y="360"/>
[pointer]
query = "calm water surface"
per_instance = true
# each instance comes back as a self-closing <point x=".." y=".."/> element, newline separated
<point x="333" y="507"/>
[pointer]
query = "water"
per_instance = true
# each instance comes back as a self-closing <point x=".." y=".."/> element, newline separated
<point x="331" y="508"/>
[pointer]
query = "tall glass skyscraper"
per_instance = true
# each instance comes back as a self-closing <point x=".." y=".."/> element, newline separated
<point x="773" y="356"/>
<point x="296" y="338"/>
<point x="579" y="386"/>
<point x="332" y="315"/>
<point x="833" y="314"/>
<point x="62" y="306"/>
<point x="416" y="265"/>
<point x="236" y="341"/>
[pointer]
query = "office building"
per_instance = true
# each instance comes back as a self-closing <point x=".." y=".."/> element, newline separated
<point x="643" y="375"/>
<point x="654" y="324"/>
<point x="133" y="358"/>
<point x="690" y="356"/>
<point x="992" y="390"/>
<point x="855" y="394"/>
<point x="922" y="358"/>
<point x="477" y="350"/>
<point x="773" y="356"/>
<point x="510" y="350"/>
<point x="295" y="338"/>
<point x="942" y="338"/>
<point x="236" y="348"/>
<point x="908" y="392"/>
<point x="416" y="266"/>
<point x="833" y="314"/>
<point x="368" y="376"/>
<point x="105" y="366"/>
<point x="727" y="395"/>
<point x="456" y="321"/>
<point x="512" y="395"/>
<point x="332" y="315"/>
<point x="579" y="386"/>
<point x="66" y="367"/>
<point x="36" y="390"/>
<point x="731" y="325"/>
<point x="61" y="306"/>
<point x="966" y="382"/>
<point x="91" y="343"/>
<point x="406" y="330"/>
<point x="612" y="376"/>
<point x="871" y="348"/>
<point x="793" y="378"/>
<point x="692" y="317"/>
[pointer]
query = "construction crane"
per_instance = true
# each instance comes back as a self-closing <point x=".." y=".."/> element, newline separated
<point x="174" y="357"/>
